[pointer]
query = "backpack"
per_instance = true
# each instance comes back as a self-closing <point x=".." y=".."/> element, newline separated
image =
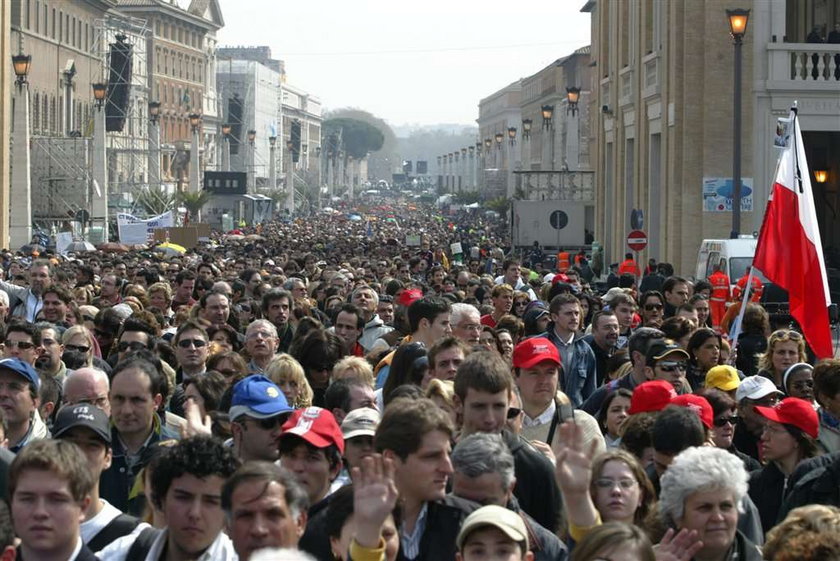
<point x="143" y="544"/>
<point x="120" y="526"/>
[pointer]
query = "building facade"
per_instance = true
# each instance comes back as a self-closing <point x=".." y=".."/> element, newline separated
<point x="498" y="113"/>
<point x="662" y="106"/>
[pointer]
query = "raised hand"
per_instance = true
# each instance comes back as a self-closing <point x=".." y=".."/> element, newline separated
<point x="573" y="464"/>
<point x="678" y="546"/>
<point x="195" y="425"/>
<point x="374" y="497"/>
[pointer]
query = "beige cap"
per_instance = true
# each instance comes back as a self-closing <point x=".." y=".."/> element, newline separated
<point x="509" y="522"/>
<point x="360" y="422"/>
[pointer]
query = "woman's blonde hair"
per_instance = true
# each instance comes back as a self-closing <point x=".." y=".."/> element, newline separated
<point x="809" y="532"/>
<point x="85" y="332"/>
<point x="443" y="389"/>
<point x="285" y="367"/>
<point x="353" y="367"/>
<point x="765" y="361"/>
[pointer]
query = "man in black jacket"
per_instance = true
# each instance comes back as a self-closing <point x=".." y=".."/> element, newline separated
<point x="415" y="436"/>
<point x="484" y="473"/>
<point x="815" y="481"/>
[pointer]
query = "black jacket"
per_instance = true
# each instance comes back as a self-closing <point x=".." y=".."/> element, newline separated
<point x="744" y="441"/>
<point x="84" y="555"/>
<point x="545" y="545"/>
<point x="315" y="540"/>
<point x="536" y="489"/>
<point x="820" y="485"/>
<point x="767" y="488"/>
<point x="443" y="521"/>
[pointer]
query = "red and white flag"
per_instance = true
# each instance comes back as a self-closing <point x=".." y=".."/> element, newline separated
<point x="789" y="250"/>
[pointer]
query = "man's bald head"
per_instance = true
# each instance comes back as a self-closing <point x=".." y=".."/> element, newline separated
<point x="87" y="385"/>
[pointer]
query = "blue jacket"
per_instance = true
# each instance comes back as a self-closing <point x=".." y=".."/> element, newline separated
<point x="578" y="366"/>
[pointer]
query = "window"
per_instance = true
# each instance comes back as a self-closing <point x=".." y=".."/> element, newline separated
<point x="52" y="35"/>
<point x="36" y="113"/>
<point x="60" y="26"/>
<point x="28" y="9"/>
<point x="73" y="32"/>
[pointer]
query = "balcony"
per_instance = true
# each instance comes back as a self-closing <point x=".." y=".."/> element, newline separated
<point x="556" y="185"/>
<point x="812" y="67"/>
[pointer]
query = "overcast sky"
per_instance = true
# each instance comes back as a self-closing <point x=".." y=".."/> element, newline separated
<point x="408" y="62"/>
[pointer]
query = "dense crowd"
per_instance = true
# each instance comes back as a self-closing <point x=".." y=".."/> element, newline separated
<point x="394" y="383"/>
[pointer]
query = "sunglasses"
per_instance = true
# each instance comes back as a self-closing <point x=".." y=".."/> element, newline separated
<point x="721" y="421"/>
<point x="22" y="345"/>
<point x="513" y="412"/>
<point x="187" y="343"/>
<point x="672" y="366"/>
<point x="133" y="345"/>
<point x="80" y="348"/>
<point x="652" y="307"/>
<point x="271" y="422"/>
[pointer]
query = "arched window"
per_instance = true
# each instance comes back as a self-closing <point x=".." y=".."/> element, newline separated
<point x="36" y="113"/>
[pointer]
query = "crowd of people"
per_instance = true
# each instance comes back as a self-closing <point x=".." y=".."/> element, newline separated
<point x="335" y="388"/>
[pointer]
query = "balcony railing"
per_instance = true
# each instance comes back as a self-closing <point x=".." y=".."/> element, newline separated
<point x="556" y="185"/>
<point x="812" y="66"/>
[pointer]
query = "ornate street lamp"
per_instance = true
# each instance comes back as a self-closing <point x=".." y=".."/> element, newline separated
<point x="195" y="121"/>
<point x="272" y="140"/>
<point x="252" y="135"/>
<point x="21" y="63"/>
<point x="820" y="175"/>
<point x="547" y="112"/>
<point x="100" y="90"/>
<point x="572" y="97"/>
<point x="512" y="135"/>
<point x="526" y="128"/>
<point x="738" y="19"/>
<point x="226" y="128"/>
<point x="154" y="111"/>
<point x="487" y="143"/>
<point x="499" y="138"/>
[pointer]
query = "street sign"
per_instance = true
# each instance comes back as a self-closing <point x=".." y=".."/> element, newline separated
<point x="558" y="219"/>
<point x="637" y="240"/>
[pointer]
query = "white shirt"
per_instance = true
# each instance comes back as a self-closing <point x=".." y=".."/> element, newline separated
<point x="542" y="418"/>
<point x="220" y="550"/>
<point x="91" y="527"/>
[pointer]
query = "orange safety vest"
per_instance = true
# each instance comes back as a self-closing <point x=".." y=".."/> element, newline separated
<point x="563" y="262"/>
<point x="628" y="266"/>
<point x="757" y="287"/>
<point x="720" y="286"/>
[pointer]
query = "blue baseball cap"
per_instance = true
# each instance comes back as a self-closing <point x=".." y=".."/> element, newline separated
<point x="258" y="397"/>
<point x="25" y="369"/>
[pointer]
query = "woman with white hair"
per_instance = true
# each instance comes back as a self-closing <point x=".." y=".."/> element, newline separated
<point x="701" y="491"/>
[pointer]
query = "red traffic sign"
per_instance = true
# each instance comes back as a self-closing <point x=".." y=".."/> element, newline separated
<point x="637" y="240"/>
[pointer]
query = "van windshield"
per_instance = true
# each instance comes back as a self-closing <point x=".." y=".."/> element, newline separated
<point x="738" y="266"/>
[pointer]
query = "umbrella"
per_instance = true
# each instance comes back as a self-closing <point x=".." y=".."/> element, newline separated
<point x="171" y="249"/>
<point x="355" y="217"/>
<point x="114" y="247"/>
<point x="79" y="247"/>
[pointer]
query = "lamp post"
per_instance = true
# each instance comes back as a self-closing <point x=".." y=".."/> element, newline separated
<point x="479" y="176"/>
<point x="272" y="163"/>
<point x="498" y="137"/>
<point x="154" y="143"/>
<point x="548" y="137"/>
<point x="290" y="180"/>
<point x="511" y="160"/>
<point x="572" y="138"/>
<point x="252" y="175"/>
<point x="16" y="225"/>
<point x="471" y="173"/>
<point x="195" y="173"/>
<point x="226" y="128"/>
<point x="820" y="176"/>
<point x="738" y="19"/>
<point x="99" y="161"/>
<point x="464" y="181"/>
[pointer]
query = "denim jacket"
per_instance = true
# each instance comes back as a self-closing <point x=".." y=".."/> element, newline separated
<point x="578" y="366"/>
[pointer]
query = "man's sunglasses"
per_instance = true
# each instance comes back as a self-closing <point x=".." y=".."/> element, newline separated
<point x="187" y="343"/>
<point x="513" y="412"/>
<point x="133" y="345"/>
<point x="652" y="307"/>
<point x="721" y="421"/>
<point x="22" y="345"/>
<point x="671" y="366"/>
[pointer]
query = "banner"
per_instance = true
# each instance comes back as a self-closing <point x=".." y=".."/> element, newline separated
<point x="133" y="230"/>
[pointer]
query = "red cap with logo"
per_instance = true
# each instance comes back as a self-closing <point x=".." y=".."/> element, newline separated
<point x="531" y="352"/>
<point x="699" y="405"/>
<point x="316" y="426"/>
<point x="654" y="395"/>
<point x="793" y="411"/>
<point x="410" y="296"/>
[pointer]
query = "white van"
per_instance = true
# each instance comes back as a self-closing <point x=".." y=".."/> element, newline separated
<point x="734" y="256"/>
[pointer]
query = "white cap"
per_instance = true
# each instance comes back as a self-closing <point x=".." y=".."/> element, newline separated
<point x="755" y="387"/>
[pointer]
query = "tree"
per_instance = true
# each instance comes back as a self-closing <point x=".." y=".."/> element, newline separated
<point x="381" y="162"/>
<point x="155" y="200"/>
<point x="358" y="137"/>
<point x="194" y="202"/>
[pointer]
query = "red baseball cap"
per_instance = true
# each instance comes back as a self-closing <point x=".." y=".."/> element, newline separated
<point x="699" y="405"/>
<point x="531" y="352"/>
<point x="408" y="297"/>
<point x="793" y="411"/>
<point x="316" y="426"/>
<point x="654" y="395"/>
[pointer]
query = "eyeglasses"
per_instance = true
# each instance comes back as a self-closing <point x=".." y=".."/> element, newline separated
<point x="22" y="345"/>
<point x="259" y="335"/>
<point x="607" y="483"/>
<point x="721" y="421"/>
<point x="671" y="366"/>
<point x="652" y="307"/>
<point x="80" y="348"/>
<point x="187" y="343"/>
<point x="513" y="412"/>
<point x="133" y="345"/>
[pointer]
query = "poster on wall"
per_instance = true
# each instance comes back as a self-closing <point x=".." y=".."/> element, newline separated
<point x="717" y="194"/>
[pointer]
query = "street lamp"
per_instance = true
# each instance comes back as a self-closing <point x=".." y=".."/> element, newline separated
<point x="547" y="112"/>
<point x="499" y="137"/>
<point x="272" y="140"/>
<point x="99" y="92"/>
<point x="487" y="143"/>
<point x="738" y="19"/>
<point x="512" y="135"/>
<point x="252" y="135"/>
<point x="195" y="121"/>
<point x="572" y="97"/>
<point x="526" y="128"/>
<point x="820" y="175"/>
<point x="478" y="147"/>
<point x="154" y="111"/>
<point x="21" y="63"/>
<point x="226" y="128"/>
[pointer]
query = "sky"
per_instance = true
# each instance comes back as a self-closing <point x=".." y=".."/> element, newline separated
<point x="418" y="63"/>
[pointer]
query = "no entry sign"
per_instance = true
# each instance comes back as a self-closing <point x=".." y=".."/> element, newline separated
<point x="637" y="240"/>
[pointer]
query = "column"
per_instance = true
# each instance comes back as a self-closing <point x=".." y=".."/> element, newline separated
<point x="194" y="161"/>
<point x="290" y="185"/>
<point x="154" y="153"/>
<point x="99" y="204"/>
<point x="20" y="223"/>
<point x="272" y="163"/>
<point x="226" y="153"/>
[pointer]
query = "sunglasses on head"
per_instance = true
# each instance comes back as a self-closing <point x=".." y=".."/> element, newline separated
<point x="721" y="421"/>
